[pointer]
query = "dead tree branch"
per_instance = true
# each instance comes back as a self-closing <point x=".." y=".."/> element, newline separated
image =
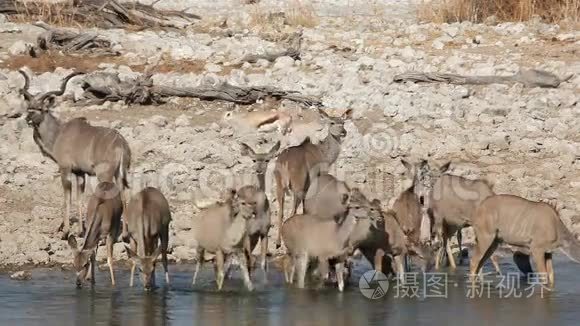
<point x="69" y="41"/>
<point x="101" y="13"/>
<point x="530" y="78"/>
<point x="101" y="87"/>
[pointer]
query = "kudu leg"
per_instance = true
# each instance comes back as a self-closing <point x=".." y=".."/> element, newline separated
<point x="550" y="269"/>
<point x="301" y="266"/>
<point x="198" y="262"/>
<point x="164" y="245"/>
<point x="251" y="260"/>
<point x="485" y="245"/>
<point x="124" y="199"/>
<point x="110" y="242"/>
<point x="93" y="264"/>
<point x="245" y="271"/>
<point x="264" y="255"/>
<point x="298" y="198"/>
<point x="438" y="258"/>
<point x="219" y="265"/>
<point x="80" y="187"/>
<point x="400" y="268"/>
<point x="540" y="261"/>
<point x="378" y="261"/>
<point x="133" y="245"/>
<point x="288" y="266"/>
<point x="449" y="252"/>
<point x="495" y="261"/>
<point x="65" y="177"/>
<point x="280" y="197"/>
<point x="459" y="239"/>
<point x="339" y="267"/>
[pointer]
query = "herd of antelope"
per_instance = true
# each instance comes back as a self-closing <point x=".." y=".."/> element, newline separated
<point x="336" y="220"/>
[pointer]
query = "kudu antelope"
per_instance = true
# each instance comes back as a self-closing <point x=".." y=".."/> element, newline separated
<point x="308" y="237"/>
<point x="78" y="148"/>
<point x="148" y="217"/>
<point x="450" y="201"/>
<point x="221" y="229"/>
<point x="104" y="210"/>
<point x="324" y="197"/>
<point x="408" y="212"/>
<point x="325" y="201"/>
<point x="258" y="226"/>
<point x="389" y="239"/>
<point x="296" y="166"/>
<point x="533" y="227"/>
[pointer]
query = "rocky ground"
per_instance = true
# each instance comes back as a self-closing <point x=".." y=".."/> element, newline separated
<point x="525" y="140"/>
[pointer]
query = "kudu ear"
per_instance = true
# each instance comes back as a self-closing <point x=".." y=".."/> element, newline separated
<point x="445" y="167"/>
<point x="130" y="253"/>
<point x="347" y="115"/>
<point x="408" y="166"/>
<point x="323" y="114"/>
<point x="49" y="103"/>
<point x="274" y="149"/>
<point x="72" y="242"/>
<point x="247" y="150"/>
<point x="156" y="253"/>
<point x="230" y="194"/>
<point x="344" y="199"/>
<point x="376" y="202"/>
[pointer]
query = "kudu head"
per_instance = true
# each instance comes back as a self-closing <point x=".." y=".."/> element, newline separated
<point x="81" y="260"/>
<point x="376" y="215"/>
<point x="38" y="106"/>
<point x="424" y="178"/>
<point x="146" y="266"/>
<point x="260" y="160"/>
<point x="241" y="207"/>
<point x="358" y="205"/>
<point x="336" y="124"/>
<point x="424" y="252"/>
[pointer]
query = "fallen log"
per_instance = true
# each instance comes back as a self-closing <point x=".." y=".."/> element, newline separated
<point x="100" y="13"/>
<point x="529" y="78"/>
<point x="101" y="87"/>
<point x="69" y="41"/>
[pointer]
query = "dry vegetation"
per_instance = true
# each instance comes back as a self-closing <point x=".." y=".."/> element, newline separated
<point x="448" y="11"/>
<point x="296" y="13"/>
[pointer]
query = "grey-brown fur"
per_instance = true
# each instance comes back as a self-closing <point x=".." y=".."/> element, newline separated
<point x="78" y="148"/>
<point x="104" y="210"/>
<point x="534" y="227"/>
<point x="308" y="237"/>
<point x="389" y="239"/>
<point x="325" y="197"/>
<point x="221" y="229"/>
<point x="450" y="202"/>
<point x="297" y="165"/>
<point x="148" y="217"/>
<point x="453" y="202"/>
<point x="259" y="225"/>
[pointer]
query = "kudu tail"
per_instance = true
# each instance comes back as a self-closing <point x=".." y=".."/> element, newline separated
<point x="122" y="172"/>
<point x="570" y="245"/>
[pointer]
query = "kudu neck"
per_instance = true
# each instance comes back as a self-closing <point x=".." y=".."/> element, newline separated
<point x="330" y="148"/>
<point x="46" y="133"/>
<point x="262" y="181"/>
<point x="346" y="228"/>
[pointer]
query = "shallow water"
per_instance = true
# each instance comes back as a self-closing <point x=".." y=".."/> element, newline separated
<point x="51" y="298"/>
